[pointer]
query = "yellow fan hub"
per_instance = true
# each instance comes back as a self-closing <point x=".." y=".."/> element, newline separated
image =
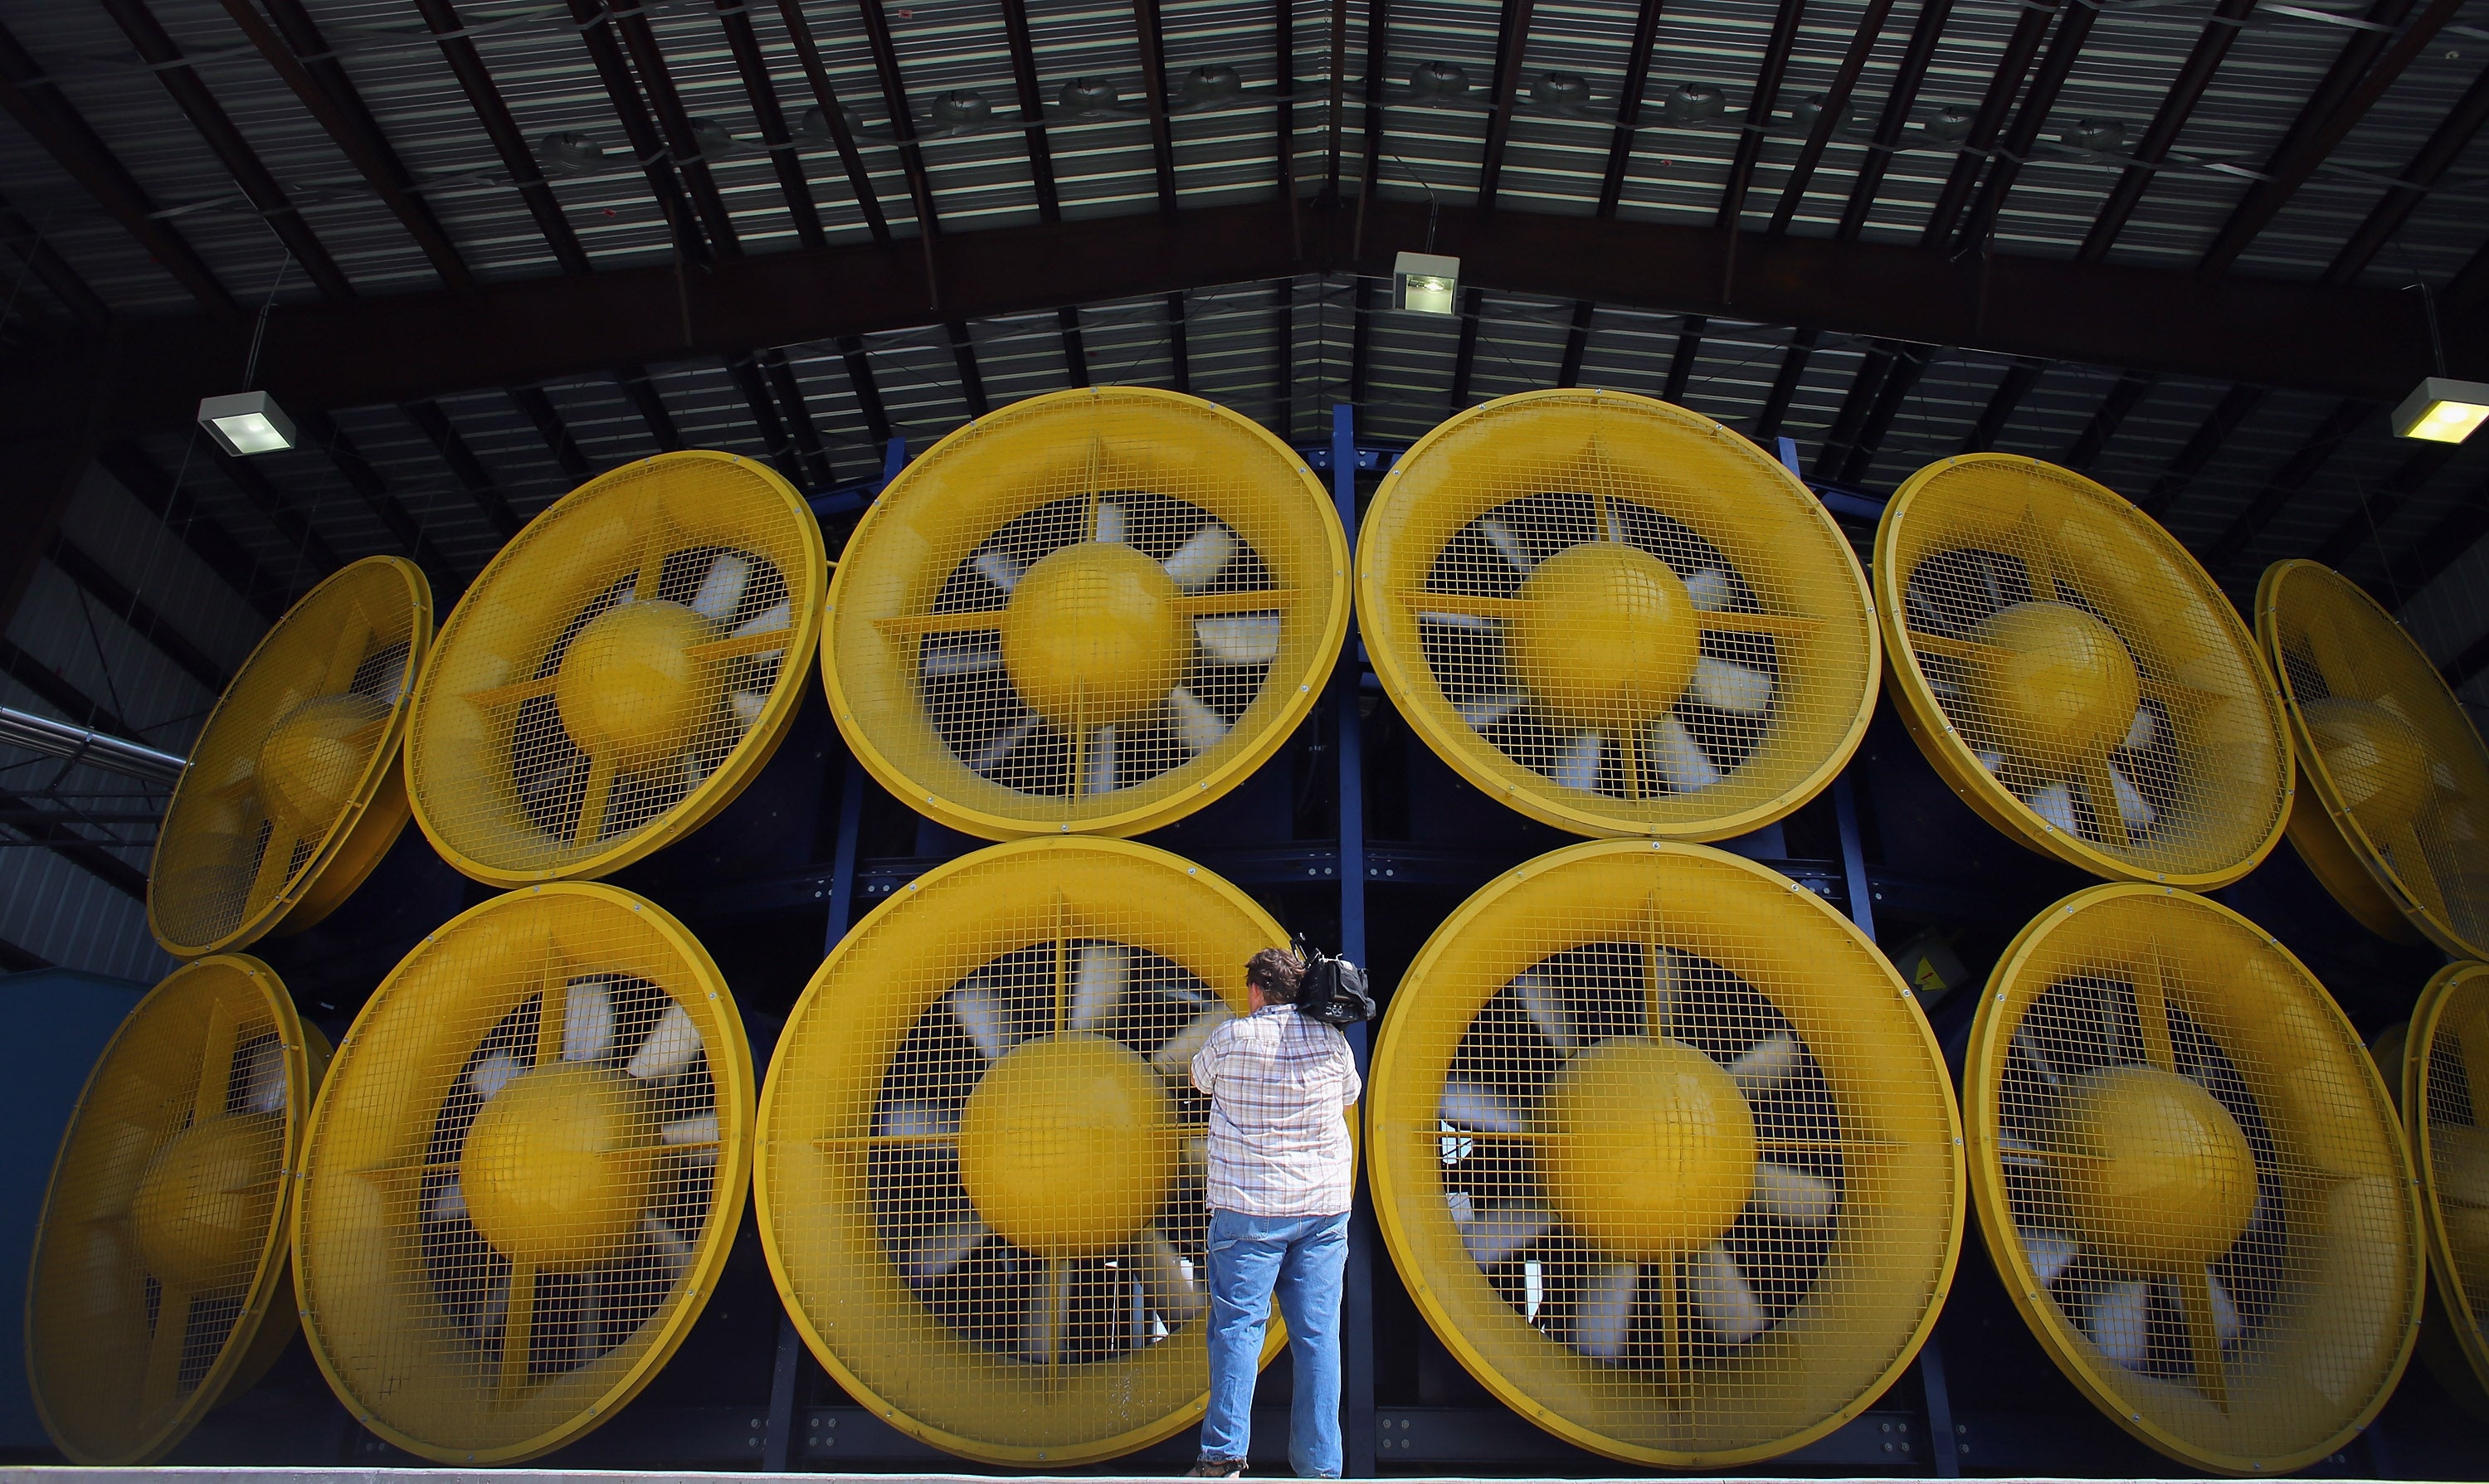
<point x="202" y="1210"/>
<point x="557" y="1168"/>
<point x="2378" y="760"/>
<point x="1609" y="635"/>
<point x="311" y="761"/>
<point x="2059" y="681"/>
<point x="629" y="687"/>
<point x="1066" y="1146"/>
<point x="2164" y="1177"/>
<point x="1093" y="635"/>
<point x="1651" y="1148"/>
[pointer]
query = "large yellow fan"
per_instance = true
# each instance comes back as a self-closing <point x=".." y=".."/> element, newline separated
<point x="2394" y="817"/>
<point x="159" y="1281"/>
<point x="1090" y="613"/>
<point x="2076" y="676"/>
<point x="1665" y="1153"/>
<point x="981" y="1164"/>
<point x="293" y="793"/>
<point x="2191" y="1180"/>
<point x="523" y="1174"/>
<point x="1617" y="616"/>
<point x="620" y="671"/>
<point x="2444" y="1056"/>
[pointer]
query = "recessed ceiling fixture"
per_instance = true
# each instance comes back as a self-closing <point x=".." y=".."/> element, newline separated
<point x="246" y="422"/>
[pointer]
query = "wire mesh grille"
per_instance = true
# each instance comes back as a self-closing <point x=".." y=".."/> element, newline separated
<point x="2068" y="665"/>
<point x="1092" y="610"/>
<point x="525" y="1173"/>
<point x="2448" y="1056"/>
<point x="1621" y="617"/>
<point x="2191" y="1178"/>
<point x="983" y="1163"/>
<point x="1666" y="1154"/>
<point x="619" y="670"/>
<point x="2386" y="744"/>
<point x="163" y="1235"/>
<point x="305" y="735"/>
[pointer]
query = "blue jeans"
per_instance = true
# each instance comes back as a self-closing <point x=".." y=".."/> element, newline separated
<point x="1301" y="1258"/>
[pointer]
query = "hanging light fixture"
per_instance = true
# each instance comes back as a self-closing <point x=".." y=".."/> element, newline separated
<point x="2440" y="410"/>
<point x="1425" y="282"/>
<point x="246" y="422"/>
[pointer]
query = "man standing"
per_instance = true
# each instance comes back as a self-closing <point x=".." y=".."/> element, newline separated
<point x="1281" y="1173"/>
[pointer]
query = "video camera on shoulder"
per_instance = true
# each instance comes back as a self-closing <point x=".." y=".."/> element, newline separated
<point x="1333" y="989"/>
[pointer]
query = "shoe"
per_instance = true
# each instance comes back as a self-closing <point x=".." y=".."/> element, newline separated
<point x="1216" y="1468"/>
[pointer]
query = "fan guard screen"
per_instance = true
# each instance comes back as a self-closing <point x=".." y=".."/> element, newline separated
<point x="982" y="1158"/>
<point x="1617" y="617"/>
<point x="2449" y="1128"/>
<point x="2077" y="674"/>
<point x="2191" y="1177"/>
<point x="1666" y="1154"/>
<point x="1091" y="611"/>
<point x="523" y="1174"/>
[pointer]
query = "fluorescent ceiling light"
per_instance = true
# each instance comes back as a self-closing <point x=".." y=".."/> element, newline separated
<point x="1425" y="282"/>
<point x="2441" y="410"/>
<point x="247" y="422"/>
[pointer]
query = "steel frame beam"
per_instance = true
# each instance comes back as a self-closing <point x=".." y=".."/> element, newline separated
<point x="1836" y="99"/>
<point x="2115" y="405"/>
<point x="471" y="474"/>
<point x="322" y="430"/>
<point x="2073" y="30"/>
<point x="135" y="612"/>
<point x="1512" y="40"/>
<point x="2364" y="524"/>
<point x="2285" y="484"/>
<point x="2177" y="106"/>
<point x="2012" y="389"/>
<point x="179" y="511"/>
<point x="1977" y="147"/>
<point x="1153" y="88"/>
<point x="1758" y="118"/>
<point x="2236" y="406"/>
<point x="493" y="112"/>
<point x="744" y="43"/>
<point x="636" y="384"/>
<point x="825" y="97"/>
<point x="1637" y="80"/>
<point x="1908" y="76"/>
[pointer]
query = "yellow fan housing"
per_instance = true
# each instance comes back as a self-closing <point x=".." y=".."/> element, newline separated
<point x="1091" y="612"/>
<point x="2445" y="1052"/>
<point x="2076" y="676"/>
<point x="1617" y="616"/>
<point x="2191" y="1180"/>
<point x="620" y="671"/>
<point x="2396" y="807"/>
<point x="524" y="1174"/>
<point x="160" y="1279"/>
<point x="293" y="793"/>
<point x="981" y="1160"/>
<point x="1665" y="1153"/>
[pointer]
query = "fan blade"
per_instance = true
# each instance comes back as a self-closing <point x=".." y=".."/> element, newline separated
<point x="1711" y="589"/>
<point x="939" y="1252"/>
<point x="1484" y="711"/>
<point x="1794" y="1196"/>
<point x="494" y="1073"/>
<point x="518" y="1329"/>
<point x="1097" y="983"/>
<point x="1579" y="765"/>
<point x="1204" y="554"/>
<point x="1239" y="639"/>
<point x="1474" y="624"/>
<point x="769" y="620"/>
<point x="1041" y="1332"/>
<point x="1605" y="1319"/>
<point x="2050" y="1252"/>
<point x="1462" y="1206"/>
<point x="1196" y="726"/>
<point x="1000" y="570"/>
<point x="163" y="1380"/>
<point x="748" y="706"/>
<point x="450" y="1205"/>
<point x="1765" y="1064"/>
<point x="672" y="1250"/>
<point x="1479" y="1108"/>
<point x="1726" y="687"/>
<point x="669" y="1048"/>
<point x="978" y="655"/>
<point x="1004" y="742"/>
<point x="591" y="807"/>
<point x="2120" y="1323"/>
<point x="2133" y="807"/>
<point x="721" y="590"/>
<point x="2021" y="1153"/>
<point x="1544" y="1003"/>
<point x="1100" y="762"/>
<point x="2460" y="1154"/>
<point x="1174" y="1059"/>
<point x="1993" y="761"/>
<point x="2226" y="1328"/>
<point x="985" y="1014"/>
<point x="1168" y="1278"/>
<point x="917" y="1120"/>
<point x="1722" y="1297"/>
<point x="1506" y="545"/>
<point x="2145" y="731"/>
<point x="587" y="1020"/>
<point x="1110" y="525"/>
<point x="1678" y="760"/>
<point x="1196" y="1157"/>
<point x="697" y="1137"/>
<point x="263" y="1077"/>
<point x="2056" y="803"/>
<point x="1500" y="1233"/>
<point x="2412" y="868"/>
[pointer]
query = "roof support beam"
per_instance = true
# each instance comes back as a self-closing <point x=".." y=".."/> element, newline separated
<point x="868" y="391"/>
<point x="208" y="540"/>
<point x="357" y="471"/>
<point x="826" y="97"/>
<point x="138" y="614"/>
<point x="1153" y="88"/>
<point x="1646" y="32"/>
<point x="2177" y="106"/>
<point x="2441" y="546"/>
<point x="435" y="425"/>
<point x="2363" y="524"/>
<point x="1178" y="352"/>
<point x="59" y="835"/>
<point x="2010" y="389"/>
<point x="1836" y="107"/>
<point x="1465" y="353"/>
<point x="1680" y="365"/>
<point x="1899" y="382"/>
<point x="1793" y="361"/>
<point x="648" y="60"/>
<point x="1577" y="344"/>
<point x="2028" y="120"/>
<point x="2286" y="483"/>
<point x="2106" y="418"/>
<point x="1758" y="113"/>
<point x="2024" y="44"/>
<point x="1512" y="40"/>
<point x="2446" y="144"/>
<point x="467" y="64"/>
<point x="1908" y="76"/>
<point x="1032" y="108"/>
<point x="58" y="692"/>
<point x="547" y="418"/>
<point x="313" y="557"/>
<point x="1075" y="356"/>
<point x="39" y="481"/>
<point x="745" y="43"/>
<point x="633" y="377"/>
<point x="964" y="356"/>
<point x="902" y="123"/>
<point x="748" y="380"/>
<point x="648" y="147"/>
<point x="26" y="240"/>
<point x="790" y="389"/>
<point x="2235" y="407"/>
<point x="1361" y="340"/>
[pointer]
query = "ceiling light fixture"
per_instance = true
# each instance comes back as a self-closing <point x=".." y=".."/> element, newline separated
<point x="1427" y="283"/>
<point x="246" y="422"/>
<point x="2439" y="410"/>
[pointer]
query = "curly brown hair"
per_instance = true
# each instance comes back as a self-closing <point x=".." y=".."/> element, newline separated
<point x="1277" y="973"/>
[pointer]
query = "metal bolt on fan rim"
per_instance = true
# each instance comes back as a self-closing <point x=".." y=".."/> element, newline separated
<point x="2123" y="719"/>
<point x="2191" y="1180"/>
<point x="293" y="793"/>
<point x="2397" y="795"/>
<point x="2445" y="1054"/>
<point x="1091" y="611"/>
<point x="1617" y="616"/>
<point x="618" y="673"/>
<point x="212" y="1073"/>
<point x="979" y="1175"/>
<point x="1715" y="1291"/>
<point x="523" y="1174"/>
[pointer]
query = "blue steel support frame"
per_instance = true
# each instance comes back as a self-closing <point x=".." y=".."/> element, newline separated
<point x="1357" y="1308"/>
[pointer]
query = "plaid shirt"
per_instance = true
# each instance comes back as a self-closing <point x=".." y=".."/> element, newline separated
<point x="1280" y="1086"/>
